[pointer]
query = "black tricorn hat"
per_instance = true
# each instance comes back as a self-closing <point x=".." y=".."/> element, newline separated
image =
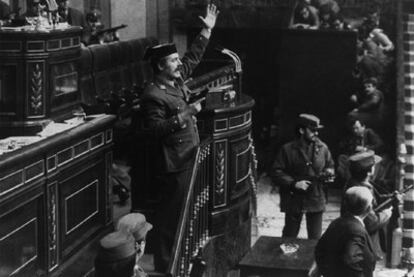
<point x="160" y="51"/>
<point x="116" y="246"/>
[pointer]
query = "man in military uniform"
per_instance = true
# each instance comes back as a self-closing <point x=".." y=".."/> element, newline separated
<point x="170" y="117"/>
<point x="299" y="170"/>
<point x="361" y="166"/>
<point x="116" y="256"/>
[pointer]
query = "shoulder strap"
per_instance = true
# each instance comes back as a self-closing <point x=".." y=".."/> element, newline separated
<point x="307" y="160"/>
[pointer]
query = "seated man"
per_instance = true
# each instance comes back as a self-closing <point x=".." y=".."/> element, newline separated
<point x="305" y="16"/>
<point x="361" y="139"/>
<point x="116" y="256"/>
<point x="370" y="106"/>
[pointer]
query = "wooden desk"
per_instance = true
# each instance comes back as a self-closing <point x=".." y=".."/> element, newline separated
<point x="55" y="198"/>
<point x="266" y="259"/>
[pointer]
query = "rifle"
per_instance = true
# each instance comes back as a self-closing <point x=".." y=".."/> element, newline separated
<point x="392" y="198"/>
<point x="110" y="30"/>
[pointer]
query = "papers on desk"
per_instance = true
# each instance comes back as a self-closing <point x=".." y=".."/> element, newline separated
<point x="54" y="128"/>
<point x="13" y="143"/>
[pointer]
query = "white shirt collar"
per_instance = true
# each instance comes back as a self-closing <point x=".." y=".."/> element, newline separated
<point x="359" y="219"/>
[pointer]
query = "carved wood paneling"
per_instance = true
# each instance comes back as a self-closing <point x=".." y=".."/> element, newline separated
<point x="36" y="89"/>
<point x="220" y="166"/>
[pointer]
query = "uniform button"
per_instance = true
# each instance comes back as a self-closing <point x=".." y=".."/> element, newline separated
<point x="180" y="140"/>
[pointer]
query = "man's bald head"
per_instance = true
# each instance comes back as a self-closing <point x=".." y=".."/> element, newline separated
<point x="358" y="200"/>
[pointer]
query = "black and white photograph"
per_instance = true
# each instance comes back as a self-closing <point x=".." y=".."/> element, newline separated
<point x="206" y="138"/>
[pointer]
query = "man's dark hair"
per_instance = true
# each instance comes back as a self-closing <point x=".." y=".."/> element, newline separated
<point x="372" y="80"/>
<point x="298" y="127"/>
<point x="121" y="268"/>
<point x="154" y="65"/>
<point x="353" y="119"/>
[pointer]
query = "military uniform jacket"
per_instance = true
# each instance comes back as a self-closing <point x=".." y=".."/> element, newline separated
<point x="161" y="103"/>
<point x="291" y="166"/>
<point x="345" y="249"/>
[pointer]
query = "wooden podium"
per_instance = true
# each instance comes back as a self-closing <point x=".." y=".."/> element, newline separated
<point x="38" y="78"/>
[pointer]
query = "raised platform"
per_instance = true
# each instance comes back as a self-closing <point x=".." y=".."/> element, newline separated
<point x="267" y="259"/>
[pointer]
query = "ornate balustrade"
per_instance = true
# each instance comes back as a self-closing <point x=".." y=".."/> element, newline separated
<point x="193" y="231"/>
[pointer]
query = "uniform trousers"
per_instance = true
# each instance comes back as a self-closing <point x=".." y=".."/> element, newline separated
<point x="173" y="188"/>
<point x="313" y="224"/>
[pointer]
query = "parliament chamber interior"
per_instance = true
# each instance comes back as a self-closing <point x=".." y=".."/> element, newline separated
<point x="77" y="152"/>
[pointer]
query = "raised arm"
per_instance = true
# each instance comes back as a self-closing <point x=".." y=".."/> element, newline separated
<point x="209" y="20"/>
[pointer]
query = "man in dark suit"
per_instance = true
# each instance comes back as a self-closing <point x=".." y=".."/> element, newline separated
<point x="345" y="249"/>
<point x="170" y="117"/>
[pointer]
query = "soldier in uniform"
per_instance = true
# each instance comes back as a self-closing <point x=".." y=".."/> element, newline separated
<point x="135" y="224"/>
<point x="361" y="166"/>
<point x="299" y="170"/>
<point x="170" y="117"/>
<point x="116" y="256"/>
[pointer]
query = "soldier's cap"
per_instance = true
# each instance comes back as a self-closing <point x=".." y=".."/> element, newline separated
<point x="134" y="224"/>
<point x="310" y="121"/>
<point x="364" y="160"/>
<point x="116" y="246"/>
<point x="160" y="51"/>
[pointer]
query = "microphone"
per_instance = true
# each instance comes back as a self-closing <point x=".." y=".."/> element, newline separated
<point x="232" y="55"/>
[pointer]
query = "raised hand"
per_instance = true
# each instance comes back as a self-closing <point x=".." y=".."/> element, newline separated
<point x="211" y="15"/>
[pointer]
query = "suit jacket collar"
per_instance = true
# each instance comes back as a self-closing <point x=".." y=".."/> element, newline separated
<point x="367" y="236"/>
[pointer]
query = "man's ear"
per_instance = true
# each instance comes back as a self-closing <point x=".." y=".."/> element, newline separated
<point x="161" y="65"/>
<point x="301" y="130"/>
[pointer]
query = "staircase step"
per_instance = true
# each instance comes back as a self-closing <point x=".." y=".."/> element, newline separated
<point x="408" y="17"/>
<point x="408" y="45"/>
<point x="408" y="36"/>
<point x="409" y="56"/>
<point x="408" y="27"/>
<point x="409" y="67"/>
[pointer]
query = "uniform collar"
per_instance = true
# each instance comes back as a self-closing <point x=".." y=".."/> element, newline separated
<point x="162" y="83"/>
<point x="167" y="87"/>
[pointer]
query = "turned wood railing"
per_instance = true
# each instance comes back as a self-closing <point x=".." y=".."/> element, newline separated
<point x="193" y="229"/>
